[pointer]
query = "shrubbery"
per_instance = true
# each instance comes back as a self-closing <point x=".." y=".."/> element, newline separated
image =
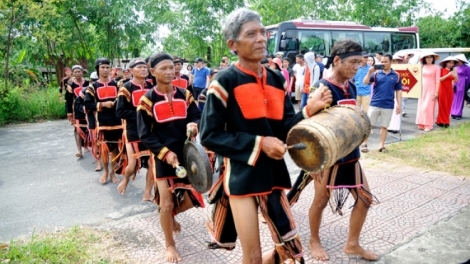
<point x="26" y="104"/>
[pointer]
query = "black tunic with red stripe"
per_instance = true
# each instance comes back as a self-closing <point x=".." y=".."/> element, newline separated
<point x="79" y="104"/>
<point x="63" y="84"/>
<point x="126" y="108"/>
<point x="181" y="81"/>
<point x="162" y="125"/>
<point x="151" y="79"/>
<point x="70" y="97"/>
<point x="68" y="100"/>
<point x="242" y="108"/>
<point x="90" y="114"/>
<point x="98" y="93"/>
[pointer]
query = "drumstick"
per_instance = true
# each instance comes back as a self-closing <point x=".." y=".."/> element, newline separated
<point x="298" y="146"/>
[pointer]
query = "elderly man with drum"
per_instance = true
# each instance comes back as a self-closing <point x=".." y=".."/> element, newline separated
<point x="343" y="174"/>
<point x="246" y="120"/>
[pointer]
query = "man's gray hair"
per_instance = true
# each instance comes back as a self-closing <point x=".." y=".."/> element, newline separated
<point x="235" y="21"/>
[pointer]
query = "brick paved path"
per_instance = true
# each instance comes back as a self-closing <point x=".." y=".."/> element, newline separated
<point x="411" y="200"/>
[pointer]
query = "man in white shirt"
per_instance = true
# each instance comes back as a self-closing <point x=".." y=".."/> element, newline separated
<point x="299" y="71"/>
<point x="184" y="69"/>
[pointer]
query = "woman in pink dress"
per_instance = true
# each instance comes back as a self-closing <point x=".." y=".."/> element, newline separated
<point x="430" y="91"/>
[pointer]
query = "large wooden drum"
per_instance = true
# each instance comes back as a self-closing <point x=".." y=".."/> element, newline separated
<point x="328" y="136"/>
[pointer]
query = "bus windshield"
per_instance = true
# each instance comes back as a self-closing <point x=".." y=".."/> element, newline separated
<point x="315" y="40"/>
<point x="377" y="42"/>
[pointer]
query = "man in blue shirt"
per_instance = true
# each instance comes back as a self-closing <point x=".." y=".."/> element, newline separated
<point x="387" y="86"/>
<point x="319" y="60"/>
<point x="363" y="90"/>
<point x="200" y="77"/>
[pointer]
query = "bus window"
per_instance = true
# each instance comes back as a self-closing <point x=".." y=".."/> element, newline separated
<point x="377" y="42"/>
<point x="289" y="41"/>
<point x="343" y="35"/>
<point x="271" y="36"/>
<point x="316" y="41"/>
<point x="403" y="41"/>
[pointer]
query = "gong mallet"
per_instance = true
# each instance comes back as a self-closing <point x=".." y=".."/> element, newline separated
<point x="298" y="146"/>
<point x="180" y="170"/>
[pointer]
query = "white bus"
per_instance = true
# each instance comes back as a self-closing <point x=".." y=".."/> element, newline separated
<point x="300" y="36"/>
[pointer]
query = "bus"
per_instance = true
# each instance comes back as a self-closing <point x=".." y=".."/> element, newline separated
<point x="301" y="36"/>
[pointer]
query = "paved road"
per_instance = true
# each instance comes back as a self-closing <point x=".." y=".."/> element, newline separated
<point x="422" y="217"/>
<point x="43" y="185"/>
<point x="447" y="241"/>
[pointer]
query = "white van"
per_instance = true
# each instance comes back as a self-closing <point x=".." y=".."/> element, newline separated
<point x="442" y="52"/>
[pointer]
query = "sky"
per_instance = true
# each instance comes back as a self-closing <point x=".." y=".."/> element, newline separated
<point x="443" y="4"/>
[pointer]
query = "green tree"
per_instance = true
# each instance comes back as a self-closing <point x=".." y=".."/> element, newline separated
<point x="436" y="31"/>
<point x="122" y="27"/>
<point x="275" y="11"/>
<point x="384" y="13"/>
<point x="196" y="25"/>
<point x="13" y="14"/>
<point x="461" y="29"/>
<point x="60" y="39"/>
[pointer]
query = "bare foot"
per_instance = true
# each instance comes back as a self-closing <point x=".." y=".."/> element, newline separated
<point x="79" y="155"/>
<point x="172" y="255"/>
<point x="176" y="226"/>
<point x="268" y="258"/>
<point x="113" y="177"/>
<point x="148" y="197"/>
<point x="318" y="252"/>
<point x="104" y="178"/>
<point x="98" y="167"/>
<point x="123" y="186"/>
<point x="358" y="250"/>
<point x="86" y="150"/>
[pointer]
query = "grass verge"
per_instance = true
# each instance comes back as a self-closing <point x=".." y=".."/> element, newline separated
<point x="19" y="104"/>
<point x="74" y="245"/>
<point x="446" y="150"/>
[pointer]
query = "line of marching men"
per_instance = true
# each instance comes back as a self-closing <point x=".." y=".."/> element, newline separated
<point x="103" y="112"/>
<point x="131" y="123"/>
